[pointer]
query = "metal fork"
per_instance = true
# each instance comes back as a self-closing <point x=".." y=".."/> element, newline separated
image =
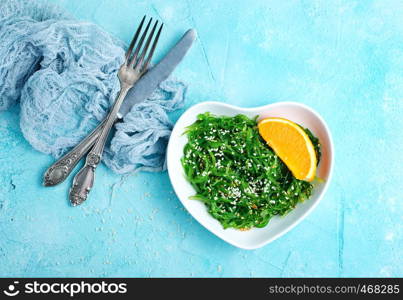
<point x="131" y="70"/>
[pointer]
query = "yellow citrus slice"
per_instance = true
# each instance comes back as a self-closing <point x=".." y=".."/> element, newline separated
<point x="290" y="142"/>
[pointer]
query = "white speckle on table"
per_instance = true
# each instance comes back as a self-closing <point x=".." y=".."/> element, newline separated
<point x="267" y="40"/>
<point x="386" y="271"/>
<point x="391" y="203"/>
<point x="167" y="13"/>
<point x="389" y="236"/>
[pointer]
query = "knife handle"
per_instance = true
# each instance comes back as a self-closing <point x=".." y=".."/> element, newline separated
<point x="62" y="168"/>
<point x="84" y="180"/>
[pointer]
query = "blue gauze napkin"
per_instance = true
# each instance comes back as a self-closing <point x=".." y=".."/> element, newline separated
<point x="62" y="72"/>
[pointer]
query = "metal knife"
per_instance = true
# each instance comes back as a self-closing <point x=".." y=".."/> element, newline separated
<point x="61" y="169"/>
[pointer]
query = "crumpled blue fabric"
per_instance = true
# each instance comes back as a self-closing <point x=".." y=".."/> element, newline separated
<point x="62" y="72"/>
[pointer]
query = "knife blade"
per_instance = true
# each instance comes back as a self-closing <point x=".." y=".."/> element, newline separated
<point x="61" y="169"/>
<point x="150" y="81"/>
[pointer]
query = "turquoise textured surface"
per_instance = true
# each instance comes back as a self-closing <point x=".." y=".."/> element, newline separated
<point x="343" y="58"/>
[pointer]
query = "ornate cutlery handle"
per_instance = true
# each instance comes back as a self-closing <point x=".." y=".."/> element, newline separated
<point x="61" y="169"/>
<point x="84" y="180"/>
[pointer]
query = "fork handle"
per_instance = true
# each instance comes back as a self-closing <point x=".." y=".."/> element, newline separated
<point x="62" y="168"/>
<point x="84" y="180"/>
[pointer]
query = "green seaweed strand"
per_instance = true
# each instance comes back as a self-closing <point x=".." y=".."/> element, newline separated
<point x="240" y="179"/>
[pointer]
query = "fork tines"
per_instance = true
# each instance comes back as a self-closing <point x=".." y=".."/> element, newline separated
<point x="135" y="60"/>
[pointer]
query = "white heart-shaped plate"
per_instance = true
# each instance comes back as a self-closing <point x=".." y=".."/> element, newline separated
<point x="256" y="237"/>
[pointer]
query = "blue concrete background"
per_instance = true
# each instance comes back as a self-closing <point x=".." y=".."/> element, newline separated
<point x="344" y="58"/>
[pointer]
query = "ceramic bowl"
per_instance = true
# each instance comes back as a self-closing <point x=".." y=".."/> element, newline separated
<point x="279" y="225"/>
